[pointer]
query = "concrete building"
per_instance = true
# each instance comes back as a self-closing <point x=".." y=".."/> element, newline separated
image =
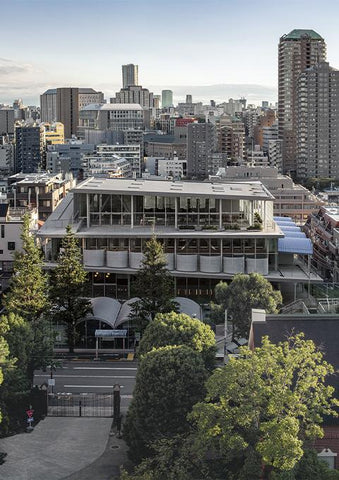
<point x="54" y="133"/>
<point x="29" y="148"/>
<point x="63" y="158"/>
<point x="130" y="153"/>
<point x="106" y="166"/>
<point x="322" y="227"/>
<point x="264" y="121"/>
<point x="231" y="138"/>
<point x="129" y="75"/>
<point x="42" y="191"/>
<point x="134" y="94"/>
<point x="269" y="133"/>
<point x="317" y="122"/>
<point x="298" y="50"/>
<point x="201" y="144"/>
<point x="275" y="154"/>
<point x="63" y="105"/>
<point x="106" y="123"/>
<point x="166" y="98"/>
<point x="256" y="157"/>
<point x="6" y="158"/>
<point x="173" y="168"/>
<point x="290" y="199"/>
<point x="207" y="231"/>
<point x="7" y="121"/>
<point x="11" y="222"/>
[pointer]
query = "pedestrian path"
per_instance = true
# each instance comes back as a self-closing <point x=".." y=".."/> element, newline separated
<point x="57" y="448"/>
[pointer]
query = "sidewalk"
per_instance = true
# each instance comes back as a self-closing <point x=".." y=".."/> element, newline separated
<point x="58" y="448"/>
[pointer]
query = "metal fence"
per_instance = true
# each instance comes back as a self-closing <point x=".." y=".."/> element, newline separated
<point x="80" y="404"/>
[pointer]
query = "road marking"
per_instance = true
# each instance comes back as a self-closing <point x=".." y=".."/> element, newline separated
<point x="86" y="376"/>
<point x="91" y="386"/>
<point x="104" y="368"/>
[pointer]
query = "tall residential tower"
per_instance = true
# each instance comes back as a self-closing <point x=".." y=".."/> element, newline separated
<point x="298" y="50"/>
<point x="129" y="75"/>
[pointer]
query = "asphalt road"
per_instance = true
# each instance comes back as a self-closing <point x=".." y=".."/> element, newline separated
<point x="92" y="377"/>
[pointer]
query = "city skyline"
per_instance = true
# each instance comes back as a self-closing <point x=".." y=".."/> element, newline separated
<point x="177" y="45"/>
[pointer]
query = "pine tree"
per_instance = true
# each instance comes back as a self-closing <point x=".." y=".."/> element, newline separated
<point x="28" y="293"/>
<point x="154" y="286"/>
<point x="68" y="287"/>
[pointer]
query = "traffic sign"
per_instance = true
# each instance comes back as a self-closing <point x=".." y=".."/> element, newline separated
<point x="30" y="413"/>
<point x="30" y="420"/>
<point x="51" y="382"/>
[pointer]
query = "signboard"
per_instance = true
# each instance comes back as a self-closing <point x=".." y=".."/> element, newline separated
<point x="30" y="413"/>
<point x="111" y="333"/>
<point x="30" y="420"/>
<point x="51" y="382"/>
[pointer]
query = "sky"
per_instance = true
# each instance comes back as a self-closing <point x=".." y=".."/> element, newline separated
<point x="177" y="44"/>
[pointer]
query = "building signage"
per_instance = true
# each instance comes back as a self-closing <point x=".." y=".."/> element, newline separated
<point x="111" y="333"/>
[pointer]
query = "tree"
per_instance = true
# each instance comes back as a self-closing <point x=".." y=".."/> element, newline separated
<point x="241" y="295"/>
<point x="68" y="288"/>
<point x="154" y="286"/>
<point x="4" y="353"/>
<point x="28" y="295"/>
<point x="179" y="329"/>
<point x="310" y="467"/>
<point x="270" y="400"/>
<point x="170" y="380"/>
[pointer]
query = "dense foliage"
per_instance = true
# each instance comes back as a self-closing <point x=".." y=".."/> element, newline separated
<point x="179" y="329"/>
<point x="170" y="380"/>
<point x="240" y="296"/>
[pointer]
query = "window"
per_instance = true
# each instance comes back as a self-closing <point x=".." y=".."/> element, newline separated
<point x="11" y="246"/>
<point x="2" y="231"/>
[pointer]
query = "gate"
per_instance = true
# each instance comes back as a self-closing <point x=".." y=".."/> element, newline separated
<point x="80" y="405"/>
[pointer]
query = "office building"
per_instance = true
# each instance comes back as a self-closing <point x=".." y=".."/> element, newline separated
<point x="106" y="166"/>
<point x="231" y="138"/>
<point x="201" y="144"/>
<point x="6" y="158"/>
<point x="298" y="50"/>
<point x="106" y="123"/>
<point x="29" y="148"/>
<point x="63" y="105"/>
<point x="166" y="98"/>
<point x="54" y="133"/>
<point x="67" y="157"/>
<point x="7" y="121"/>
<point x="130" y="153"/>
<point x="129" y="75"/>
<point x="134" y="94"/>
<point x="208" y="232"/>
<point x="317" y="122"/>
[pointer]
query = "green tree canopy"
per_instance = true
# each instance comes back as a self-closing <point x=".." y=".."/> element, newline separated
<point x="270" y="400"/>
<point x="154" y="285"/>
<point x="69" y="279"/>
<point x="241" y="295"/>
<point x="179" y="329"/>
<point x="4" y="353"/>
<point x="28" y="292"/>
<point x="170" y="380"/>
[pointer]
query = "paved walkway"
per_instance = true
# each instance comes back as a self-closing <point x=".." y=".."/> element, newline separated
<point x="57" y="448"/>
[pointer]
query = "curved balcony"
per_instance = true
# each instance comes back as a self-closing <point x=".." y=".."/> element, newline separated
<point x="117" y="259"/>
<point x="94" y="258"/>
<point x="187" y="263"/>
<point x="210" y="264"/>
<point x="234" y="265"/>
<point x="257" y="265"/>
<point x="135" y="259"/>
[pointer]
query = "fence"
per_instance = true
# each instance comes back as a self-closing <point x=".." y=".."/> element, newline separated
<point x="80" y="404"/>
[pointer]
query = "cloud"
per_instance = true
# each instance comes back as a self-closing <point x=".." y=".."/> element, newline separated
<point x="9" y="67"/>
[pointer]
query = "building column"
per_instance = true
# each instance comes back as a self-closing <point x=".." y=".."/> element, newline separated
<point x="87" y="210"/>
<point x="176" y="213"/>
<point x="132" y="211"/>
<point x="221" y="255"/>
<point x="220" y="214"/>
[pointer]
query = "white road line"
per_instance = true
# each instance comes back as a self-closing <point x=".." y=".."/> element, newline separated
<point x="91" y="386"/>
<point x="103" y="368"/>
<point x="86" y="376"/>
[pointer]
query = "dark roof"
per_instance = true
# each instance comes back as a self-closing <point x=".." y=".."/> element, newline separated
<point x="3" y="209"/>
<point x="322" y="329"/>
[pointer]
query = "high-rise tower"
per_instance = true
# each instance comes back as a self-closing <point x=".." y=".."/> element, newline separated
<point x="129" y="75"/>
<point x="298" y="50"/>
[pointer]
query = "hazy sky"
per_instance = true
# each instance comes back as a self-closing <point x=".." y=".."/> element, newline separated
<point x="175" y="42"/>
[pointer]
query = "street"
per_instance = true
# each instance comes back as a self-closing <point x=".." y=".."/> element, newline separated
<point x="88" y="376"/>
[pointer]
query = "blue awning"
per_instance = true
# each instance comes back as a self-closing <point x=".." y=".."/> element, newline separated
<point x="294" y="234"/>
<point x="282" y="219"/>
<point x="302" y="246"/>
<point x="289" y="228"/>
<point x="285" y="224"/>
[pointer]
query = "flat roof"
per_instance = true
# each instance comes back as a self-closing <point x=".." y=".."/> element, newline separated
<point x="112" y="106"/>
<point x="248" y="190"/>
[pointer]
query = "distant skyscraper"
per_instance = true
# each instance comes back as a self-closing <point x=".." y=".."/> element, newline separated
<point x="166" y="98"/>
<point x="189" y="99"/>
<point x="318" y="122"/>
<point x="129" y="75"/>
<point x="298" y="50"/>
